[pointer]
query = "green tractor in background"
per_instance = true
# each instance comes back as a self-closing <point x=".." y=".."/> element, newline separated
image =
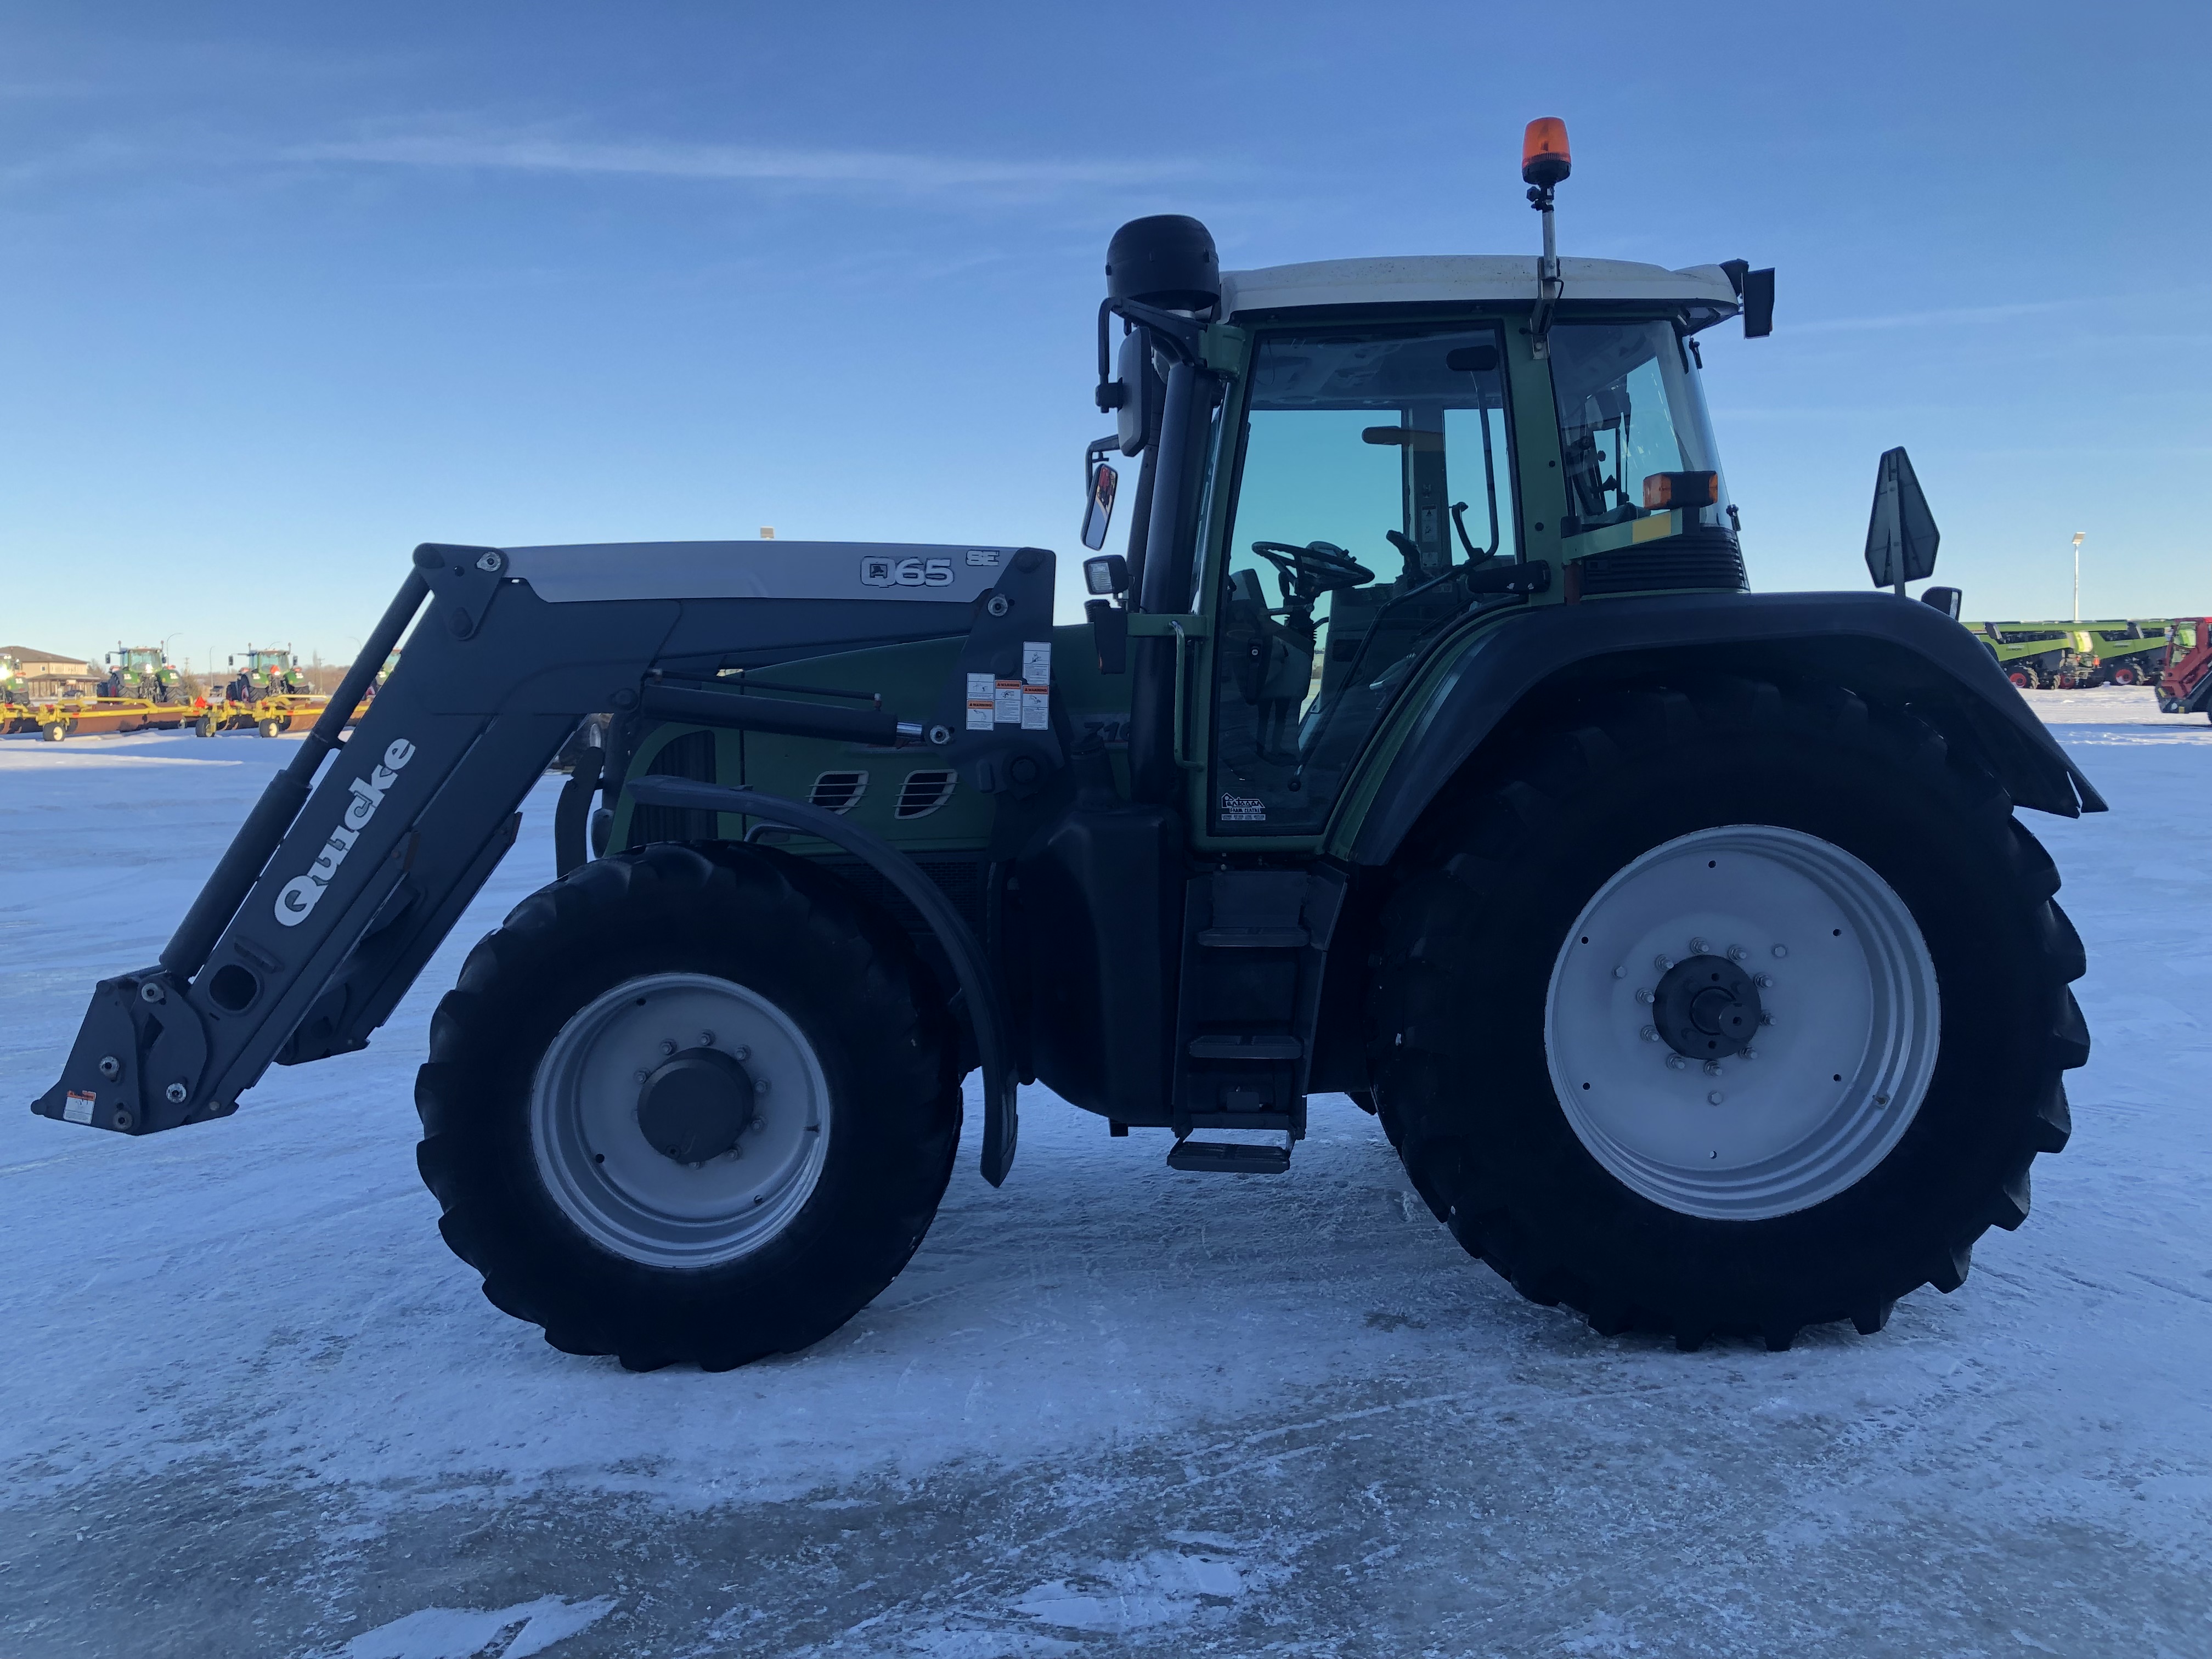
<point x="144" y="672"/>
<point x="267" y="674"/>
<point x="1424" y="744"/>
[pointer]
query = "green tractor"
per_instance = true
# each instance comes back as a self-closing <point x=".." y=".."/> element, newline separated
<point x="144" y="672"/>
<point x="1425" y="745"/>
<point x="267" y="674"/>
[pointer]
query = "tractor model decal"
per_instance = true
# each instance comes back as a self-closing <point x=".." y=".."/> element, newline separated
<point x="878" y="571"/>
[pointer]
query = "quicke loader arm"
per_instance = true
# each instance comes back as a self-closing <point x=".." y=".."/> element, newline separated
<point x="363" y="852"/>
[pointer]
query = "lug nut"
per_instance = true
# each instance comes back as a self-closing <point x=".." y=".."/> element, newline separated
<point x="1781" y="950"/>
<point x="1765" y="982"/>
<point x="1715" y="1098"/>
<point x="706" y="1039"/>
<point x="642" y="1075"/>
<point x="667" y="1046"/>
<point x="1676" y="1063"/>
<point x="1662" y="962"/>
<point x="1697" y="947"/>
<point x="1643" y="996"/>
<point x="1712" y="1068"/>
<point x="759" y="1085"/>
<point x="1737" y="953"/>
<point x="741" y="1052"/>
<point x="110" y="1067"/>
<point x="1650" y="1034"/>
<point x="1620" y="972"/>
<point x="1751" y="1054"/>
<point x="1766" y="1016"/>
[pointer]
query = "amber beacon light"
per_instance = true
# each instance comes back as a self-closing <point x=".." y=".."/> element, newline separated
<point x="1544" y="158"/>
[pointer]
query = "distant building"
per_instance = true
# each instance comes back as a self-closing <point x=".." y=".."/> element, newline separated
<point x="47" y="675"/>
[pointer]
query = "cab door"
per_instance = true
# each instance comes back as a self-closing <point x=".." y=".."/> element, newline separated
<point x="1372" y="470"/>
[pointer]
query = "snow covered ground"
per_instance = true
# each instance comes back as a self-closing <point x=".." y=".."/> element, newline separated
<point x="250" y="1404"/>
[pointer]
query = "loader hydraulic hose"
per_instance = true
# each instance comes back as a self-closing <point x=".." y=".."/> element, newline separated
<point x="187" y="950"/>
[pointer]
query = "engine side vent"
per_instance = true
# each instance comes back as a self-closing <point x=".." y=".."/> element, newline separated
<point x="838" y="792"/>
<point x="923" y="793"/>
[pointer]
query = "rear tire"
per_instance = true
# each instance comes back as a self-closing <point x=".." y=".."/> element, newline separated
<point x="542" y="1143"/>
<point x="1618" y="1216"/>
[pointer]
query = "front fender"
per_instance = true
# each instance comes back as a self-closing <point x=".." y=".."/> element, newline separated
<point x="1886" y="648"/>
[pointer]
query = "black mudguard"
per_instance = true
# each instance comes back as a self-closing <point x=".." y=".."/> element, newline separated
<point x="1886" y="648"/>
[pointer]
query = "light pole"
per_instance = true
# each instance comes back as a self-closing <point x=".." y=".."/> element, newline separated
<point x="2077" y="575"/>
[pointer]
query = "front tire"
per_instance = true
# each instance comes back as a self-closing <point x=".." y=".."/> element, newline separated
<point x="1885" y="1120"/>
<point x="735" y="1185"/>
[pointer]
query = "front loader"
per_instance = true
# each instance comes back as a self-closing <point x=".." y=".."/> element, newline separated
<point x="1424" y="744"/>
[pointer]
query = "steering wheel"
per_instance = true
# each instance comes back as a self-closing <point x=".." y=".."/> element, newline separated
<point x="1311" y="571"/>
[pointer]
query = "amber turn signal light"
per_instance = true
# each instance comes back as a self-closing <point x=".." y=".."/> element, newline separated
<point x="1544" y="158"/>
<point x="1682" y="489"/>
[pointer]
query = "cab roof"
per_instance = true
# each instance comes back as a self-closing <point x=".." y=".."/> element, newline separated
<point x="1470" y="278"/>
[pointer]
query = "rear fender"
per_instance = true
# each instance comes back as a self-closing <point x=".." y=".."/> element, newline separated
<point x="1887" y="649"/>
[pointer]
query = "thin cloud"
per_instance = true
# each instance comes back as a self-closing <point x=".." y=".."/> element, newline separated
<point x="740" y="163"/>
<point x="1931" y="318"/>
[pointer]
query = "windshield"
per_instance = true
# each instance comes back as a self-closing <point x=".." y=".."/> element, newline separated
<point x="1630" y="406"/>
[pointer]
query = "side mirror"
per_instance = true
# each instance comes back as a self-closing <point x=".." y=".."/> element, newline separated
<point x="1947" y="600"/>
<point x="1758" y="303"/>
<point x="1098" y="512"/>
<point x="1754" y="290"/>
<point x="1901" y="535"/>
<point x="1131" y="365"/>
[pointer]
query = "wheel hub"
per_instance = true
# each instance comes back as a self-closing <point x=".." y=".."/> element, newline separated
<point x="1707" y="1008"/>
<point x="680" y="1119"/>
<point x="695" y="1105"/>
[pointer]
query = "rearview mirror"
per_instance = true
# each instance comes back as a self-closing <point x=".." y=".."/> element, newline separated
<point x="1099" y="512"/>
<point x="1758" y="303"/>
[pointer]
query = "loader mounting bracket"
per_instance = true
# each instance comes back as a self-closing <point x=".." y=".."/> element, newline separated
<point x="464" y="579"/>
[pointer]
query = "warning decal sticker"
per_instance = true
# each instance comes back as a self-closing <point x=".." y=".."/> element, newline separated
<point x="982" y="700"/>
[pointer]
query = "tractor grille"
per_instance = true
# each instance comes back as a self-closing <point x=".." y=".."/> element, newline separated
<point x="923" y="793"/>
<point x="1710" y="560"/>
<point x="838" y="792"/>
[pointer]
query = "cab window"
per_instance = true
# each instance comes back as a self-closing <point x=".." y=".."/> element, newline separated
<point x="1375" y="469"/>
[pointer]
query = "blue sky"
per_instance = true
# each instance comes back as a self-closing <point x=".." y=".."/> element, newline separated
<point x="288" y="290"/>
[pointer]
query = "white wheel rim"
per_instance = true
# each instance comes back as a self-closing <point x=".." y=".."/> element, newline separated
<point x="608" y="1178"/>
<point x="1828" y="1085"/>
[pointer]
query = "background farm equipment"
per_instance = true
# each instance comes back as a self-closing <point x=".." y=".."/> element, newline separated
<point x="2185" y="679"/>
<point x="143" y="673"/>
